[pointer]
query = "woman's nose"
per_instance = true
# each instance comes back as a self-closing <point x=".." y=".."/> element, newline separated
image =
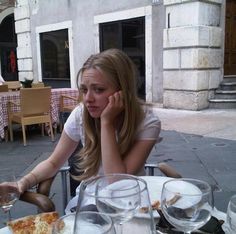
<point x="89" y="96"/>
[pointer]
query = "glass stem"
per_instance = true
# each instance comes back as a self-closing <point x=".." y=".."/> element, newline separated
<point x="9" y="215"/>
<point x="118" y="228"/>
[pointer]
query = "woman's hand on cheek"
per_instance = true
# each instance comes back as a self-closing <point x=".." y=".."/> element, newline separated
<point x="114" y="107"/>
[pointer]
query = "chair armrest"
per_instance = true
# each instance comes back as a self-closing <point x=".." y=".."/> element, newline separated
<point x="166" y="169"/>
<point x="63" y="96"/>
<point x="45" y="186"/>
<point x="41" y="201"/>
<point x="14" y="103"/>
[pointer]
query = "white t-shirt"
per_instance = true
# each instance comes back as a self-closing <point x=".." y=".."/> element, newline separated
<point x="149" y="129"/>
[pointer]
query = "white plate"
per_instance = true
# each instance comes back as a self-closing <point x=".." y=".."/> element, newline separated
<point x="5" y="230"/>
<point x="154" y="184"/>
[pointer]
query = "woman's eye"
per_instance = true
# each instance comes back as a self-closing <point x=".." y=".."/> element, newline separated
<point x="83" y="90"/>
<point x="99" y="90"/>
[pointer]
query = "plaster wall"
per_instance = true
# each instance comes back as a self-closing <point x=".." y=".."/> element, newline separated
<point x="82" y="14"/>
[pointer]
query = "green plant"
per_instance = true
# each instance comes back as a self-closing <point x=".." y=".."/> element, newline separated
<point x="27" y="83"/>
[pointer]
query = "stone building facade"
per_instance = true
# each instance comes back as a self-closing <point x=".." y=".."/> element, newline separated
<point x="184" y="42"/>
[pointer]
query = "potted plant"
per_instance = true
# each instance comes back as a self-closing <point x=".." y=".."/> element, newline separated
<point x="27" y="83"/>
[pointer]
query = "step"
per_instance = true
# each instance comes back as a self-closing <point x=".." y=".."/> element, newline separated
<point x="222" y="103"/>
<point x="226" y="85"/>
<point x="230" y="77"/>
<point x="225" y="94"/>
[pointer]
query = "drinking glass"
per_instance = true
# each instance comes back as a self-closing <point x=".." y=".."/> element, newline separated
<point x="143" y="221"/>
<point x="117" y="195"/>
<point x="88" y="222"/>
<point x="231" y="215"/>
<point x="9" y="191"/>
<point x="187" y="203"/>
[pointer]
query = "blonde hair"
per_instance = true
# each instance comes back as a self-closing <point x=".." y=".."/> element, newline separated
<point x="122" y="72"/>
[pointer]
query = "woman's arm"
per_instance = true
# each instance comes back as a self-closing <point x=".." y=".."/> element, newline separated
<point x="112" y="161"/>
<point x="111" y="158"/>
<point x="49" y="167"/>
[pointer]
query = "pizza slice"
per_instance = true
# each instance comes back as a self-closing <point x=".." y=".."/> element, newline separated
<point x="34" y="224"/>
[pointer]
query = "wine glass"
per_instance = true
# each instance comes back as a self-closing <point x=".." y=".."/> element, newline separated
<point x="9" y="191"/>
<point x="231" y="215"/>
<point x="187" y="203"/>
<point x="143" y="221"/>
<point x="117" y="195"/>
<point x="88" y="222"/>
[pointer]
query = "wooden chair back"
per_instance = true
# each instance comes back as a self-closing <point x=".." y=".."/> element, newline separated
<point x="35" y="101"/>
<point x="13" y="85"/>
<point x="4" y="88"/>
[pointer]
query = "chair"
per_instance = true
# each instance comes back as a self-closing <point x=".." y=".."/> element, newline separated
<point x="13" y="85"/>
<point x="38" y="85"/>
<point x="67" y="104"/>
<point x="34" y="109"/>
<point x="45" y="204"/>
<point x="4" y="88"/>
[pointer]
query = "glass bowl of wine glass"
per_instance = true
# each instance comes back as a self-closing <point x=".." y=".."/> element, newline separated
<point x="187" y="203"/>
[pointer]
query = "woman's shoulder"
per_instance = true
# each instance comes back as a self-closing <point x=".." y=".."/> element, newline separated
<point x="150" y="114"/>
<point x="78" y="110"/>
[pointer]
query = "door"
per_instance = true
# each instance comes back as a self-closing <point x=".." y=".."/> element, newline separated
<point x="230" y="38"/>
<point x="8" y="57"/>
<point x="129" y="36"/>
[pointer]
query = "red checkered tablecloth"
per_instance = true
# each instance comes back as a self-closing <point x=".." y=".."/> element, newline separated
<point x="5" y="97"/>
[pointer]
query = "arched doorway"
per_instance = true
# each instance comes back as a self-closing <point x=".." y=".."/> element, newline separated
<point x="8" y="44"/>
<point x="230" y="39"/>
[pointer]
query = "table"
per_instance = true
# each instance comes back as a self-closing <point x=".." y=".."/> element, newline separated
<point x="5" y="97"/>
<point x="139" y="226"/>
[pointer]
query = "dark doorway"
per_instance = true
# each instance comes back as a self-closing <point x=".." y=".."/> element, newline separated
<point x="55" y="58"/>
<point x="230" y="38"/>
<point x="8" y="44"/>
<point x="129" y="36"/>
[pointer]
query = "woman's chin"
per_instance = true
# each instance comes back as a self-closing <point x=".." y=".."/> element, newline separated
<point x="94" y="115"/>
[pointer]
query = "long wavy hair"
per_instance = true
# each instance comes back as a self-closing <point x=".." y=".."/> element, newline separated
<point x="122" y="72"/>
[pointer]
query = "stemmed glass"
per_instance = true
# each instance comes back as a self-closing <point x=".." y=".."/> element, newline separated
<point x="9" y="192"/>
<point x="231" y="215"/>
<point x="117" y="195"/>
<point x="187" y="203"/>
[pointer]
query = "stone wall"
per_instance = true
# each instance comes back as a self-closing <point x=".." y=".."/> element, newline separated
<point x="24" y="52"/>
<point x="193" y="53"/>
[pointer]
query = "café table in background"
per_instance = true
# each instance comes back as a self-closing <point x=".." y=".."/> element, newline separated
<point x="5" y="97"/>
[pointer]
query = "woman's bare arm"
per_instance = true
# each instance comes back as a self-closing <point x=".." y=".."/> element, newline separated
<point x="112" y="160"/>
<point x="49" y="167"/>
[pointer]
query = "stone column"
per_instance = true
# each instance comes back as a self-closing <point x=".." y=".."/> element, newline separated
<point x="193" y="53"/>
<point x="22" y="27"/>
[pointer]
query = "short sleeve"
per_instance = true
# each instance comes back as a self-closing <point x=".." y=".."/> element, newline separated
<point x="74" y="124"/>
<point x="151" y="126"/>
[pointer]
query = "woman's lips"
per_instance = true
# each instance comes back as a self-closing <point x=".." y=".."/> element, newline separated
<point x="92" y="108"/>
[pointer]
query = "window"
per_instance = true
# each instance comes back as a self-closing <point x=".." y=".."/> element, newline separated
<point x="55" y="55"/>
<point x="129" y="36"/>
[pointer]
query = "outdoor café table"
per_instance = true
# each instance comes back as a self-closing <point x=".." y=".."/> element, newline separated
<point x="138" y="225"/>
<point x="5" y="97"/>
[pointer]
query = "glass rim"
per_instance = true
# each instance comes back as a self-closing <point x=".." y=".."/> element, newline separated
<point x="93" y="179"/>
<point x="207" y="189"/>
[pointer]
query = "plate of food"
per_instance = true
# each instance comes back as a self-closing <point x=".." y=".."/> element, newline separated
<point x="40" y="223"/>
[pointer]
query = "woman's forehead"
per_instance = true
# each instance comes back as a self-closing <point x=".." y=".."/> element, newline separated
<point x="95" y="75"/>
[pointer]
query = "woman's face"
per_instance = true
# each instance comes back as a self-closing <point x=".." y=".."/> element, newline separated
<point x="95" y="88"/>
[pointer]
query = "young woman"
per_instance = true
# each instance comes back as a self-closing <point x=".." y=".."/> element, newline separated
<point x="116" y="129"/>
